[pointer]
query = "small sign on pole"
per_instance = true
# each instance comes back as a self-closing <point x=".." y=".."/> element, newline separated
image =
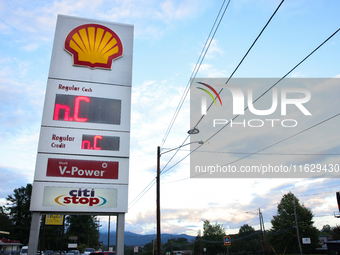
<point x="54" y="220"/>
<point x="306" y="240"/>
<point x="227" y="240"/>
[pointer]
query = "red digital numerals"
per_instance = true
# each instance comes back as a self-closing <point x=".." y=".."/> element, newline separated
<point x="66" y="109"/>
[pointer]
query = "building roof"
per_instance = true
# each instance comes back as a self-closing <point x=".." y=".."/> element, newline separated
<point x="7" y="242"/>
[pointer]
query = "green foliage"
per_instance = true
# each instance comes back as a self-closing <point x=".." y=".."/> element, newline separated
<point x="17" y="209"/>
<point x="326" y="230"/>
<point x="283" y="232"/>
<point x="85" y="227"/>
<point x="336" y="233"/>
<point x="212" y="230"/>
<point x="15" y="218"/>
<point x="52" y="238"/>
<point x="176" y="244"/>
<point x="5" y="222"/>
<point x="81" y="247"/>
<point x="246" y="240"/>
<point x="149" y="247"/>
<point x="212" y="239"/>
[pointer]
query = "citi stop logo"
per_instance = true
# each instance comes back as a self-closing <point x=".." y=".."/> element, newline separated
<point x="80" y="197"/>
<point x="286" y="96"/>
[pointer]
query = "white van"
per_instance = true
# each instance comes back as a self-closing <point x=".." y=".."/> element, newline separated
<point x="24" y="250"/>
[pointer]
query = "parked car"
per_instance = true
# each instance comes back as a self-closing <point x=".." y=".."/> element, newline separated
<point x="89" y="250"/>
<point x="73" y="252"/>
<point x="58" y="252"/>
<point x="48" y="252"/>
<point x="103" y="253"/>
<point x="24" y="250"/>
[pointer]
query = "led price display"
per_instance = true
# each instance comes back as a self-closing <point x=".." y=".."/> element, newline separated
<point x="87" y="109"/>
<point x="99" y="142"/>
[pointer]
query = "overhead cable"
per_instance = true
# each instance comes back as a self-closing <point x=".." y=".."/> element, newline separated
<point x="245" y="56"/>
<point x="197" y="67"/>
<point x="265" y="93"/>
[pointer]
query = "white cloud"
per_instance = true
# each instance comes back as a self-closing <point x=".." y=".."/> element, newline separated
<point x="214" y="49"/>
<point x="208" y="70"/>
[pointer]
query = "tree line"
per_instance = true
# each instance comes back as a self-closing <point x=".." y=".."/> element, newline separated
<point x="15" y="218"/>
<point x="280" y="239"/>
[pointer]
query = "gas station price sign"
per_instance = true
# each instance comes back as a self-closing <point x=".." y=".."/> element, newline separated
<point x="87" y="109"/>
<point x="99" y="142"/>
<point x="84" y="142"/>
<point x="74" y="104"/>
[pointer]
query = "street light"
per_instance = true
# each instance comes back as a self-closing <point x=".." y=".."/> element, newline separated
<point x="158" y="211"/>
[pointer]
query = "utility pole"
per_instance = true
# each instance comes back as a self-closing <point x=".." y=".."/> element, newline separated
<point x="264" y="231"/>
<point x="159" y="248"/>
<point x="158" y="210"/>
<point x="260" y="217"/>
<point x="296" y="225"/>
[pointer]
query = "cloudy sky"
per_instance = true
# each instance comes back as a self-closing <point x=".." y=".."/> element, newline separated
<point x="168" y="39"/>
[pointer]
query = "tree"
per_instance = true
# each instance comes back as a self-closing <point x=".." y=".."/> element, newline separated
<point x="283" y="236"/>
<point x="149" y="248"/>
<point x="15" y="217"/>
<point x="247" y="240"/>
<point x="174" y="244"/>
<point x="5" y="222"/>
<point x="85" y="227"/>
<point x="17" y="208"/>
<point x="212" y="239"/>
<point x="336" y="233"/>
<point x="326" y="230"/>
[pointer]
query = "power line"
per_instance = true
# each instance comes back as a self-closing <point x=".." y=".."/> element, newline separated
<point x="269" y="154"/>
<point x="289" y="137"/>
<point x="238" y="65"/>
<point x="193" y="75"/>
<point x="260" y="97"/>
<point x="173" y="155"/>
<point x="279" y="80"/>
<point x="196" y="69"/>
<point x="142" y="193"/>
<point x="245" y="56"/>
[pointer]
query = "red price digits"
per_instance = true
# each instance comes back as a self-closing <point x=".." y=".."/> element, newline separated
<point x="66" y="108"/>
<point x="87" y="144"/>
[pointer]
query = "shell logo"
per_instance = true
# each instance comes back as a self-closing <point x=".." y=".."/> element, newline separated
<point x="94" y="46"/>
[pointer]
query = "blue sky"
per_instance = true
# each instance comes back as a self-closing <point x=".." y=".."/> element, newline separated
<point x="169" y="36"/>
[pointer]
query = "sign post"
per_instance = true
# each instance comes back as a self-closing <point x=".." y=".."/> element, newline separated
<point x="82" y="163"/>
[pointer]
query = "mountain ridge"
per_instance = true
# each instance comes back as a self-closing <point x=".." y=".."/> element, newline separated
<point x="139" y="239"/>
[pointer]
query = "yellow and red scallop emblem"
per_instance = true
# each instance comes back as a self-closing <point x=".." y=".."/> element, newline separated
<point x="93" y="45"/>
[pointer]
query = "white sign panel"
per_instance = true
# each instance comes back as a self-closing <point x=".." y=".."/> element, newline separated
<point x="306" y="240"/>
<point x="79" y="197"/>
